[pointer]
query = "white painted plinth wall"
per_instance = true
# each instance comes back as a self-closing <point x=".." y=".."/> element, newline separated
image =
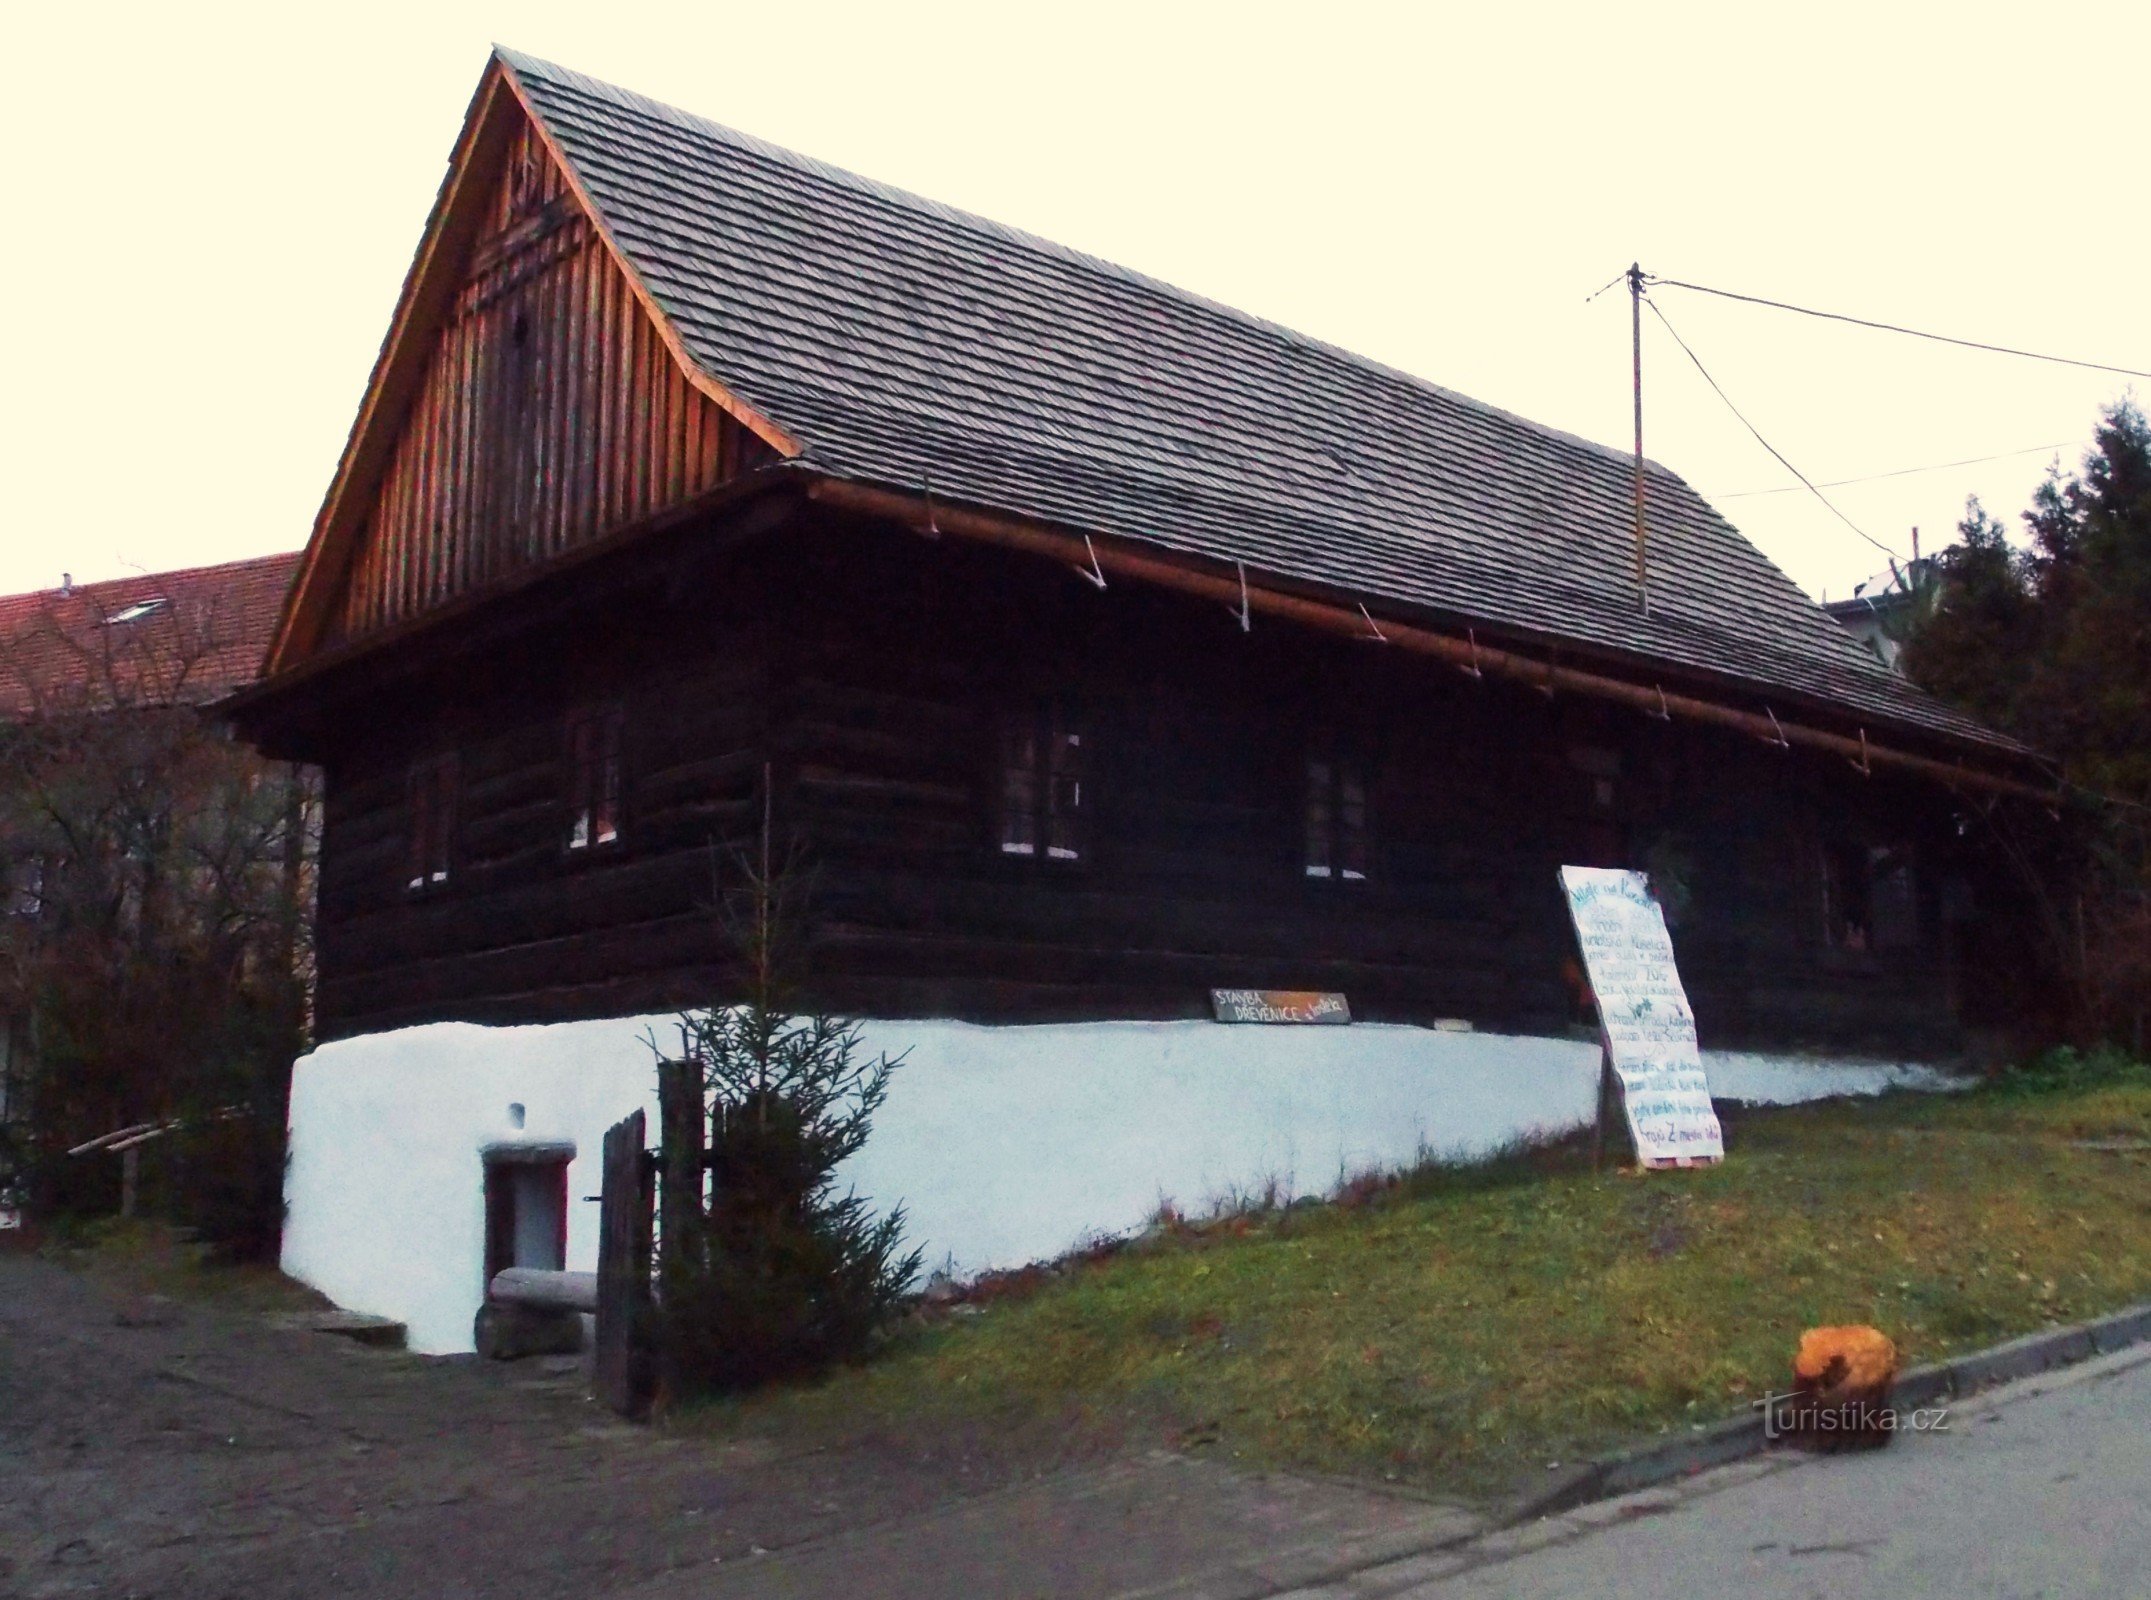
<point x="1005" y="1145"/>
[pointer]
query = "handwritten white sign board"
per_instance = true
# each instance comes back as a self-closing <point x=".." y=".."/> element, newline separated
<point x="1650" y="1032"/>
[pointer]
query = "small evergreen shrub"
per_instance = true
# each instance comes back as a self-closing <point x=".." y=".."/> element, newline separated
<point x="786" y="1276"/>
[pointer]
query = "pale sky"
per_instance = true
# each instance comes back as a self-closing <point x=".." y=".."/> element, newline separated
<point x="213" y="207"/>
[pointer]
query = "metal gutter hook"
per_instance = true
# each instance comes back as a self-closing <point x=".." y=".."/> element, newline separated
<point x="1553" y="666"/>
<point x="1862" y="766"/>
<point x="933" y="528"/>
<point x="1096" y="574"/>
<point x="1474" y="670"/>
<point x="1246" y="622"/>
<point x="1777" y="728"/>
<point x="1661" y="714"/>
<point x="1374" y="629"/>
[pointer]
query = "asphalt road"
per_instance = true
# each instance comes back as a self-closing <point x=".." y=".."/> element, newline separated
<point x="2037" y="1489"/>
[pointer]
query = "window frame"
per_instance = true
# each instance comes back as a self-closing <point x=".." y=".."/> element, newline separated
<point x="510" y="1172"/>
<point x="434" y="793"/>
<point x="1853" y="872"/>
<point x="1334" y="784"/>
<point x="1598" y="831"/>
<point x="1893" y="930"/>
<point x="1044" y="798"/>
<point x="595" y="759"/>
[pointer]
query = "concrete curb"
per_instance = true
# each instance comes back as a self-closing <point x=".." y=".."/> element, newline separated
<point x="1736" y="1438"/>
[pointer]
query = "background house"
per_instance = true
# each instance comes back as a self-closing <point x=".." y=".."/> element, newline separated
<point x="183" y="638"/>
<point x="157" y="874"/>
<point x="1097" y="645"/>
<point x="1880" y="612"/>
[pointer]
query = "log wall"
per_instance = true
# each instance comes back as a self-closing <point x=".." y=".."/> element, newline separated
<point x="527" y="926"/>
<point x="1194" y="878"/>
<point x="868" y="672"/>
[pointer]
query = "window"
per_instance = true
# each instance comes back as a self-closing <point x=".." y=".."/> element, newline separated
<point x="137" y="611"/>
<point x="594" y="778"/>
<point x="1868" y="903"/>
<point x="1336" y="819"/>
<point x="1042" y="798"/>
<point x="1890" y="901"/>
<point x="1595" y="836"/>
<point x="433" y="822"/>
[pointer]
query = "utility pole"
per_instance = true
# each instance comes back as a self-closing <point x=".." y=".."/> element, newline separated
<point x="1635" y="328"/>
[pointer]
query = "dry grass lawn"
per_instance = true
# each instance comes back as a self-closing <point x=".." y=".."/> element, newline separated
<point x="1461" y="1329"/>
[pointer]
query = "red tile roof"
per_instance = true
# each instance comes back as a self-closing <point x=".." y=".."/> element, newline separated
<point x="164" y="638"/>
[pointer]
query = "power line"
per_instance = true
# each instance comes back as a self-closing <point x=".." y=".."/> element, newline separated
<point x="1891" y="327"/>
<point x="1901" y="472"/>
<point x="2064" y="784"/>
<point x="1759" y="439"/>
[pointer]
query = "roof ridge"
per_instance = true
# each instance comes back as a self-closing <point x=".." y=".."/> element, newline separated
<point x="146" y="577"/>
<point x="891" y="194"/>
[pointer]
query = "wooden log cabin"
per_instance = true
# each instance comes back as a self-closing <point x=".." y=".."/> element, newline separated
<point x="1099" y="645"/>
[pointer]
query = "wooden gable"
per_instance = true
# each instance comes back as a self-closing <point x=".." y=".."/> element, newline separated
<point x="543" y="403"/>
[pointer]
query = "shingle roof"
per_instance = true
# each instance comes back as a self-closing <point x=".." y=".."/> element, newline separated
<point x="898" y="339"/>
<point x="164" y="638"/>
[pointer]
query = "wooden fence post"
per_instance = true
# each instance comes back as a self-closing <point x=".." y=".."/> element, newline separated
<point x="623" y="1368"/>
<point x="1609" y="1106"/>
<point x="681" y="1214"/>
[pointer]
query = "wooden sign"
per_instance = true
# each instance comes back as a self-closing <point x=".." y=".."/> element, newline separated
<point x="1644" y="1014"/>
<point x="1278" y="1005"/>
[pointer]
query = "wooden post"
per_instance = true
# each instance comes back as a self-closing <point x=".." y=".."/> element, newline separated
<point x="681" y="1217"/>
<point x="622" y="1360"/>
<point x="1635" y="319"/>
<point x="680" y="1135"/>
<point x="130" y="1178"/>
<point x="1609" y="1106"/>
